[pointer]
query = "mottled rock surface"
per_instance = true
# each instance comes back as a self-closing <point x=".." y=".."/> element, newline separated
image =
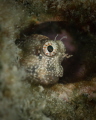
<point x="74" y="98"/>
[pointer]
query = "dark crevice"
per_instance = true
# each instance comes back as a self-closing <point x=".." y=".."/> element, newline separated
<point x="80" y="44"/>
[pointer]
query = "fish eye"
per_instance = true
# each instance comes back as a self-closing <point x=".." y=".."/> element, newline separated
<point x="50" y="48"/>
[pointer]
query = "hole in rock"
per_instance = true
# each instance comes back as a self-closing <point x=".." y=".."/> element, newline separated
<point x="81" y="66"/>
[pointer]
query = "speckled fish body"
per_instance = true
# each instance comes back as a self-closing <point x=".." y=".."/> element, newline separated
<point x="42" y="59"/>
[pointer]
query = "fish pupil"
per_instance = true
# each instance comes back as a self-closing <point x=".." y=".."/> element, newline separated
<point x="50" y="48"/>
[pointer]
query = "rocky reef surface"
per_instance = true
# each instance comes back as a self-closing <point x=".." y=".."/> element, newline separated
<point x="74" y="96"/>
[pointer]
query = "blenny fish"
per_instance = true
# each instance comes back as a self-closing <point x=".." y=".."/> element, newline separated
<point x="41" y="58"/>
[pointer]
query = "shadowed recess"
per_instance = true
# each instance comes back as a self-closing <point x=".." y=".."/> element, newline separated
<point x="80" y="44"/>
